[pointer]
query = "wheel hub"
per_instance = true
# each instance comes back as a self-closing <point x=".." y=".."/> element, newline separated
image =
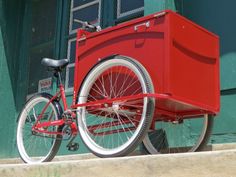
<point x="116" y="106"/>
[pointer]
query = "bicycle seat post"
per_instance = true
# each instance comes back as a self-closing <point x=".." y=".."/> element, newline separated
<point x="59" y="79"/>
<point x="60" y="85"/>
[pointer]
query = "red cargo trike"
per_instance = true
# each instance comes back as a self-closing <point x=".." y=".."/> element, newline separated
<point x="154" y="79"/>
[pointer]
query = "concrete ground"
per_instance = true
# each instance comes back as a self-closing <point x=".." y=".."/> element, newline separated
<point x="217" y="163"/>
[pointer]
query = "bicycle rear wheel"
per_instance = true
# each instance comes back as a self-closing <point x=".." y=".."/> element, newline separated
<point x="37" y="147"/>
<point x="115" y="129"/>
<point x="188" y="135"/>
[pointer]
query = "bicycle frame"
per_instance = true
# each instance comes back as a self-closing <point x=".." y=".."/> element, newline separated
<point x="40" y="127"/>
<point x="170" y="99"/>
<point x="139" y="81"/>
<point x="100" y="103"/>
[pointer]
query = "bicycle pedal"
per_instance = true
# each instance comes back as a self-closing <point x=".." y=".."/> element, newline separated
<point x="73" y="147"/>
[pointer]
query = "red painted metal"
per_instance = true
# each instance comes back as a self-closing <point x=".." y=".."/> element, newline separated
<point x="46" y="106"/>
<point x="50" y="123"/>
<point x="63" y="96"/>
<point x="74" y="128"/>
<point x="120" y="99"/>
<point x="42" y="127"/>
<point x="45" y="132"/>
<point x="171" y="114"/>
<point x="181" y="57"/>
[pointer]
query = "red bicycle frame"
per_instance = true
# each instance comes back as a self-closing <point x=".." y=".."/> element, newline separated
<point x="174" y="100"/>
<point x="42" y="127"/>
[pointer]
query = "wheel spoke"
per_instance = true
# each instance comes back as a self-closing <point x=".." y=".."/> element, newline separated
<point x="114" y="129"/>
<point x="37" y="147"/>
<point x="124" y="81"/>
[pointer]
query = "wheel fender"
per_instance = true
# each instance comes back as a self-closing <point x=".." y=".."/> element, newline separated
<point x="110" y="57"/>
<point x="54" y="102"/>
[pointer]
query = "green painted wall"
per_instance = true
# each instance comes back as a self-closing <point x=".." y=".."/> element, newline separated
<point x="11" y="15"/>
<point x="7" y="125"/>
<point x="9" y="51"/>
<point x="215" y="15"/>
<point x="152" y="6"/>
<point x="219" y="17"/>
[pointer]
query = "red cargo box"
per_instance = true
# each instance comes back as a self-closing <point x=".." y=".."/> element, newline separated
<point x="181" y="57"/>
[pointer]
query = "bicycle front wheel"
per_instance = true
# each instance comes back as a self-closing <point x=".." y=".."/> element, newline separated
<point x="37" y="147"/>
<point x="115" y="129"/>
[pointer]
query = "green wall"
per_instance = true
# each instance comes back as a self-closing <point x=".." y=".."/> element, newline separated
<point x="152" y="6"/>
<point x="219" y="17"/>
<point x="9" y="52"/>
<point x="6" y="99"/>
<point x="215" y="15"/>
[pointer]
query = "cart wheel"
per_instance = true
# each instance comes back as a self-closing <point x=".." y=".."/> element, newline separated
<point x="115" y="129"/>
<point x="188" y="135"/>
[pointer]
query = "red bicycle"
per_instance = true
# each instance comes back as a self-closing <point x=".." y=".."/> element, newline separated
<point x="135" y="82"/>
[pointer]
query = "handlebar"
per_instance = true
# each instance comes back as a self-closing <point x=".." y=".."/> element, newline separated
<point x="87" y="26"/>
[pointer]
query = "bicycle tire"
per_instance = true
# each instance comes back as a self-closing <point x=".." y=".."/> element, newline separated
<point x="165" y="140"/>
<point x="37" y="148"/>
<point x="115" y="71"/>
